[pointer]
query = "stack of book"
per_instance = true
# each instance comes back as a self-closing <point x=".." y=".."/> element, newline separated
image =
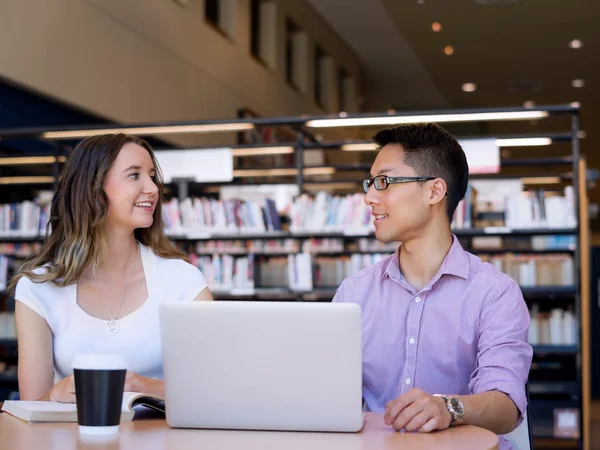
<point x="25" y="219"/>
<point x="208" y="216"/>
<point x="556" y="327"/>
<point x="516" y="210"/>
<point x="226" y="272"/>
<point x="536" y="270"/>
<point x="331" y="213"/>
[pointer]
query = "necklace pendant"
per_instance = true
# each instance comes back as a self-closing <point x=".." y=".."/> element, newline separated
<point x="113" y="326"/>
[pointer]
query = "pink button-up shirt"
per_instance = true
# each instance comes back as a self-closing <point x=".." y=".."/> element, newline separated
<point x="463" y="333"/>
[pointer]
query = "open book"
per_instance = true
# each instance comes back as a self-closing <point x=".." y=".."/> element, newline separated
<point x="67" y="412"/>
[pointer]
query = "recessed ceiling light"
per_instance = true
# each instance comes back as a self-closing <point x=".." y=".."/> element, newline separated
<point x="449" y="50"/>
<point x="581" y="134"/>
<point x="469" y="87"/>
<point x="529" y="104"/>
<point x="421" y="2"/>
<point x="578" y="83"/>
<point x="576" y="105"/>
<point x="436" y="26"/>
<point x="575" y="44"/>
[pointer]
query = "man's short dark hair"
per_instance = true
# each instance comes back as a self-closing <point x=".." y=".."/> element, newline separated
<point x="431" y="151"/>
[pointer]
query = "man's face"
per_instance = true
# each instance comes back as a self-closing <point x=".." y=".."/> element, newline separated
<point x="401" y="210"/>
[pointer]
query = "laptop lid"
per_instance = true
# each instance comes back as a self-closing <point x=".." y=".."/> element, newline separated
<point x="262" y="365"/>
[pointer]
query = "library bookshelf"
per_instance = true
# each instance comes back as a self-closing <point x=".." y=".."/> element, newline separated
<point x="253" y="249"/>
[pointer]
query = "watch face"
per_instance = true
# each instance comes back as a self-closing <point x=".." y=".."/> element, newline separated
<point x="457" y="406"/>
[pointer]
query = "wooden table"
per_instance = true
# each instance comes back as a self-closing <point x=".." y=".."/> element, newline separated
<point x="156" y="434"/>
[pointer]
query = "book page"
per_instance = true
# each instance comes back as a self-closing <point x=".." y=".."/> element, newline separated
<point x="140" y="405"/>
<point x="43" y="406"/>
<point x="130" y="397"/>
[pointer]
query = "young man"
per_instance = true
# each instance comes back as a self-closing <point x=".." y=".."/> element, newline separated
<point x="444" y="334"/>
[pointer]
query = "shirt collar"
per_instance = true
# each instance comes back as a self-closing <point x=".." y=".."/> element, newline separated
<point x="455" y="263"/>
<point x="392" y="269"/>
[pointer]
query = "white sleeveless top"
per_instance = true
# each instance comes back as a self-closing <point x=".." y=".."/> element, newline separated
<point x="75" y="331"/>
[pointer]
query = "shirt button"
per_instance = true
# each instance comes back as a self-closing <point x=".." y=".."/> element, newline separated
<point x="412" y="340"/>
<point x="417" y="299"/>
<point x="407" y="381"/>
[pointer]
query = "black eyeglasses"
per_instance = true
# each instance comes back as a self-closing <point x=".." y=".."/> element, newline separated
<point x="382" y="182"/>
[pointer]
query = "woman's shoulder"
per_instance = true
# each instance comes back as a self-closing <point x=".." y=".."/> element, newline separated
<point x="45" y="298"/>
<point x="32" y="284"/>
<point x="171" y="266"/>
<point x="175" y="265"/>
<point x="29" y="281"/>
<point x="183" y="279"/>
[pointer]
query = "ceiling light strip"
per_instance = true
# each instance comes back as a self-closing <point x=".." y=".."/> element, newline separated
<point x="259" y="151"/>
<point x="316" y="186"/>
<point x="524" y="142"/>
<point x="396" y="120"/>
<point x="26" y="160"/>
<point x="541" y="180"/>
<point x="282" y="172"/>
<point x="360" y="147"/>
<point x="169" y="129"/>
<point x="27" y="180"/>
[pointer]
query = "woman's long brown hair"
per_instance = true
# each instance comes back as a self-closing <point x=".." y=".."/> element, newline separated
<point x="76" y="231"/>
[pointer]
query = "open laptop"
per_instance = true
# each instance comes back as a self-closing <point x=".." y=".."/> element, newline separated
<point x="262" y="365"/>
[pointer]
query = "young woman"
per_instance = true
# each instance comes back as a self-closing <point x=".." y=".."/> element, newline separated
<point x="97" y="282"/>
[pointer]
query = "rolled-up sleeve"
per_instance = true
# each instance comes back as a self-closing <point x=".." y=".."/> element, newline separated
<point x="504" y="355"/>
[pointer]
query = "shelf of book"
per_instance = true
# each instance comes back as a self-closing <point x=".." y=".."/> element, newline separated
<point x="535" y="292"/>
<point x="210" y="236"/>
<point x="520" y="251"/>
<point x="527" y="291"/>
<point x="555" y="349"/>
<point x="497" y="251"/>
<point x="275" y="293"/>
<point x="353" y="234"/>
<point x="540" y="217"/>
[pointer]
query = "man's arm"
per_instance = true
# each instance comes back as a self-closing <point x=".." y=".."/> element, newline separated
<point x="498" y="382"/>
<point x="419" y="411"/>
<point x="493" y="410"/>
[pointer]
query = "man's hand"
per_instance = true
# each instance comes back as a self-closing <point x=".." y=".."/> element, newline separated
<point x="417" y="411"/>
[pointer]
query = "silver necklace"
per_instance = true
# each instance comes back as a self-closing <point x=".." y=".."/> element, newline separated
<point x="112" y="325"/>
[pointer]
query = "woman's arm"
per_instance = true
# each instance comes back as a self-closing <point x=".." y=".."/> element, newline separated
<point x="205" y="295"/>
<point x="36" y="361"/>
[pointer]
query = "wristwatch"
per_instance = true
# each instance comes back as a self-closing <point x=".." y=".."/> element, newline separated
<point x="455" y="408"/>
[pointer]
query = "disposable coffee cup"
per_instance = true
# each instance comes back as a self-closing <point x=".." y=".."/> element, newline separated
<point x="99" y="384"/>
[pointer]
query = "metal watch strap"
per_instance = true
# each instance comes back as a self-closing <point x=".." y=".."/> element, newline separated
<point x="457" y="414"/>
